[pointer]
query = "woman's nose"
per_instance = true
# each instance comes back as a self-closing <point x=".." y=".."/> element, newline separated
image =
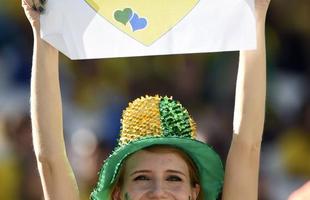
<point x="157" y="191"/>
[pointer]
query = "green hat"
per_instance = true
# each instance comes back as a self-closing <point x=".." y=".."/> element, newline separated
<point x="155" y="120"/>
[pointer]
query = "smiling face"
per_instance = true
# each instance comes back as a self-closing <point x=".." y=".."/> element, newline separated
<point x="156" y="174"/>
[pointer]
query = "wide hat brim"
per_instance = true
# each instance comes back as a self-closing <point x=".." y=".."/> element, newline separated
<point x="208" y="162"/>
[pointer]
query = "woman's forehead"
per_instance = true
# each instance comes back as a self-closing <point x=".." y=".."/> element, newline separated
<point x="156" y="161"/>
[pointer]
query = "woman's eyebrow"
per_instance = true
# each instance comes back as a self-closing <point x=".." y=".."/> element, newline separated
<point x="140" y="171"/>
<point x="175" y="171"/>
<point x="148" y="171"/>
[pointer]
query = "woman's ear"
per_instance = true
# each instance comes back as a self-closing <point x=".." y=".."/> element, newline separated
<point x="195" y="191"/>
<point x="116" y="194"/>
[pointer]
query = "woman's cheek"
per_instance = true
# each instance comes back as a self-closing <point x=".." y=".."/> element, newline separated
<point x="178" y="191"/>
<point x="136" y="190"/>
<point x="177" y="186"/>
<point x="134" y="195"/>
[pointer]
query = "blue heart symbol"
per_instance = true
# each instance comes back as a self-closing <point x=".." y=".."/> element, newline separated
<point x="138" y="23"/>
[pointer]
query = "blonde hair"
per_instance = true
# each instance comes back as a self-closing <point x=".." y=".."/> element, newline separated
<point x="193" y="171"/>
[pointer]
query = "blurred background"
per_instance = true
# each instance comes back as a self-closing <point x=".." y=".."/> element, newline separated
<point x="95" y="92"/>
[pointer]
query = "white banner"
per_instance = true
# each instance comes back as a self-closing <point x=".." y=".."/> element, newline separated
<point x="88" y="29"/>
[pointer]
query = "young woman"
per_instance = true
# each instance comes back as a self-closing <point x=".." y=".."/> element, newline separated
<point x="158" y="156"/>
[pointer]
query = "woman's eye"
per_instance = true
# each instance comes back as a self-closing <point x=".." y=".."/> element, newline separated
<point x="141" y="178"/>
<point x="174" y="178"/>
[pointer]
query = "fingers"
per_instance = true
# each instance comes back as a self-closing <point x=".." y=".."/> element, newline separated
<point x="36" y="5"/>
<point x="42" y="6"/>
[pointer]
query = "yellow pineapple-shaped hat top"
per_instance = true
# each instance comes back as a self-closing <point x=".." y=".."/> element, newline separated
<point x="155" y="116"/>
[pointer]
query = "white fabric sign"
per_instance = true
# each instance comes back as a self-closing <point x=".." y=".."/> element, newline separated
<point x="88" y="29"/>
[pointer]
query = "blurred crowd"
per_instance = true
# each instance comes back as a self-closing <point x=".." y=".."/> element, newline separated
<point x="95" y="92"/>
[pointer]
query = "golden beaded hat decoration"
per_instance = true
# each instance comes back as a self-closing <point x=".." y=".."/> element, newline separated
<point x="154" y="116"/>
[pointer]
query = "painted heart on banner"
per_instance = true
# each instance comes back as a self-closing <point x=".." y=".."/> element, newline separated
<point x="145" y="21"/>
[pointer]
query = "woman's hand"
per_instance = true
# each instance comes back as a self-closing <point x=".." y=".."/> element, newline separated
<point x="33" y="9"/>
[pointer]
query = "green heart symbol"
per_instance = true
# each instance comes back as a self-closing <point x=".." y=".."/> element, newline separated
<point x="123" y="16"/>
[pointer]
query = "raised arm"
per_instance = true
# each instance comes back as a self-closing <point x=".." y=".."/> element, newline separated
<point x="242" y="166"/>
<point x="56" y="175"/>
